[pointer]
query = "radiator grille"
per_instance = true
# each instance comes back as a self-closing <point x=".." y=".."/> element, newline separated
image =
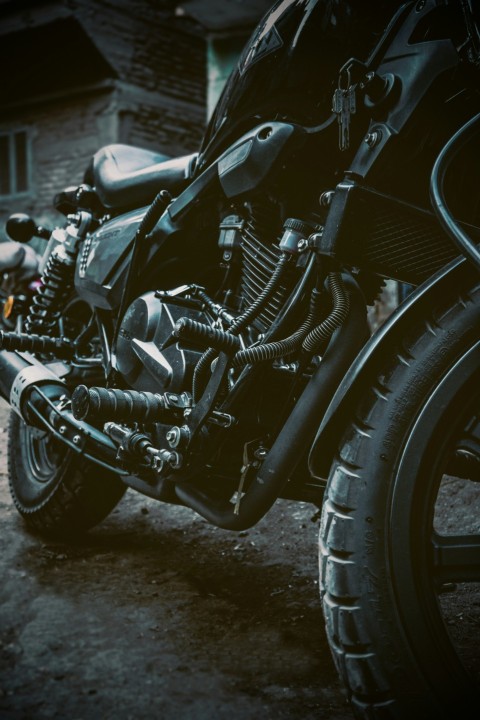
<point x="387" y="236"/>
<point x="407" y="247"/>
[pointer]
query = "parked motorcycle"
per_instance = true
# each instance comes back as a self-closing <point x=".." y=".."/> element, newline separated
<point x="200" y="331"/>
<point x="19" y="269"/>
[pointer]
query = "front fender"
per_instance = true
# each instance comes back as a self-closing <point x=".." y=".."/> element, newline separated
<point x="368" y="363"/>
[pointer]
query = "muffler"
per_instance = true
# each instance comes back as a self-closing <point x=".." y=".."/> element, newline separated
<point x="42" y="399"/>
<point x="18" y="376"/>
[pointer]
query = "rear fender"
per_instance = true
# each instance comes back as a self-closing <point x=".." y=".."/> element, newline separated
<point x="370" y="360"/>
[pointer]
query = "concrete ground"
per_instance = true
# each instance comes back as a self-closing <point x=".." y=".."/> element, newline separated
<point x="156" y="614"/>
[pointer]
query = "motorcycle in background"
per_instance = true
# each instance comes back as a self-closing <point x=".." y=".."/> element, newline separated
<point x="19" y="270"/>
<point x="200" y="331"/>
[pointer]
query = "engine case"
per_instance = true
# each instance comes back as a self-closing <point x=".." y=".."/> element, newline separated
<point x="147" y="324"/>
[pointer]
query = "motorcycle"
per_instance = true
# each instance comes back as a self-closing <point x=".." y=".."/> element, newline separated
<point x="19" y="267"/>
<point x="200" y="332"/>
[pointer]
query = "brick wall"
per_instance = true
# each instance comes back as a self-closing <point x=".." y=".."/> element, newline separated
<point x="148" y="45"/>
<point x="64" y="135"/>
<point x="157" y="99"/>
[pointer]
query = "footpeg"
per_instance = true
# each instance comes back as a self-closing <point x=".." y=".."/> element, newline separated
<point x="61" y="348"/>
<point x="188" y="330"/>
<point x="135" y="445"/>
<point x="106" y="404"/>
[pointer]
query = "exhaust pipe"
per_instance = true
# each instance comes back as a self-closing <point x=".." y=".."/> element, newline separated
<point x="296" y="435"/>
<point x="10" y="365"/>
<point x="33" y="391"/>
<point x="18" y="377"/>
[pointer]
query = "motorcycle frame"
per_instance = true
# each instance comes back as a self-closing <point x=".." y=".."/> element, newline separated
<point x="333" y="390"/>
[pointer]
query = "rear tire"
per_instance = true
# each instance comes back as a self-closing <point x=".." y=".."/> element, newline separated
<point x="380" y="568"/>
<point x="57" y="492"/>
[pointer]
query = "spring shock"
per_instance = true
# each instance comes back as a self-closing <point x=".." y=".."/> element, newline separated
<point x="49" y="300"/>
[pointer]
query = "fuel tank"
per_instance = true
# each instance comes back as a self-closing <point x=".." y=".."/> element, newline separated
<point x="289" y="69"/>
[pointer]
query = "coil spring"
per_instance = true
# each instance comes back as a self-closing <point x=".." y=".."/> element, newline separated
<point x="341" y="306"/>
<point x="49" y="300"/>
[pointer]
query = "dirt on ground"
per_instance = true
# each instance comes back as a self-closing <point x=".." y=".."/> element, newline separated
<point x="157" y="614"/>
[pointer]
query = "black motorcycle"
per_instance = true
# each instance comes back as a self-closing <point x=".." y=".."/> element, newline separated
<point x="200" y="333"/>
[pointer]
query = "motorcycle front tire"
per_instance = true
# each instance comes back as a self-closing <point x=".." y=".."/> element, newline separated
<point x="57" y="492"/>
<point x="383" y="563"/>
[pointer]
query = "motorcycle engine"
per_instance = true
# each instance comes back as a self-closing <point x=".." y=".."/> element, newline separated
<point x="252" y="238"/>
<point x="147" y="324"/>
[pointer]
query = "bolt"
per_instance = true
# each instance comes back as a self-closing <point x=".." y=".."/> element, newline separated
<point x="173" y="436"/>
<point x="62" y="430"/>
<point x="372" y="139"/>
<point x="326" y="198"/>
<point x="302" y="244"/>
<point x="76" y="439"/>
<point x="175" y="461"/>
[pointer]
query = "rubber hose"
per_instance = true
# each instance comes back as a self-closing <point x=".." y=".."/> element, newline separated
<point x="281" y="348"/>
<point x="341" y="306"/>
<point x="240" y="323"/>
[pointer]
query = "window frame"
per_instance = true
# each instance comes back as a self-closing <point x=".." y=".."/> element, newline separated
<point x="11" y="135"/>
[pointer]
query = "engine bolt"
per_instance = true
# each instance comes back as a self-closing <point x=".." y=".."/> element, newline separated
<point x="173" y="436"/>
<point x="76" y="439"/>
<point x="177" y="436"/>
<point x="62" y="429"/>
<point x="326" y="198"/>
<point x="372" y="139"/>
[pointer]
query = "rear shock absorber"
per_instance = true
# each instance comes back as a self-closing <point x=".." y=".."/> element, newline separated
<point x="57" y="278"/>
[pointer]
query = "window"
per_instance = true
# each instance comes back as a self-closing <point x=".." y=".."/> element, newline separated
<point x="14" y="163"/>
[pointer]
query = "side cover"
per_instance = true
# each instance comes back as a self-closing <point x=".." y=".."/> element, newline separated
<point x="103" y="256"/>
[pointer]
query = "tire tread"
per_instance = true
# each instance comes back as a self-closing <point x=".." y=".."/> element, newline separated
<point x="347" y="618"/>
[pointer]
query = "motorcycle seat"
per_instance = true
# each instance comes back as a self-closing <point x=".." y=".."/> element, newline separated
<point x="126" y="177"/>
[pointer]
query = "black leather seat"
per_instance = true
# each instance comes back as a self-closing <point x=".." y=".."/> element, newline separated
<point x="126" y="177"/>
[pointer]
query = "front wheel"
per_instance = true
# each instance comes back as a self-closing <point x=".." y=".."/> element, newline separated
<point x="56" y="491"/>
<point x="400" y="537"/>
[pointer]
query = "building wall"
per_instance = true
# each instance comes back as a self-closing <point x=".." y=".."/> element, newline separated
<point x="160" y="123"/>
<point x="157" y="99"/>
<point x="64" y="135"/>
